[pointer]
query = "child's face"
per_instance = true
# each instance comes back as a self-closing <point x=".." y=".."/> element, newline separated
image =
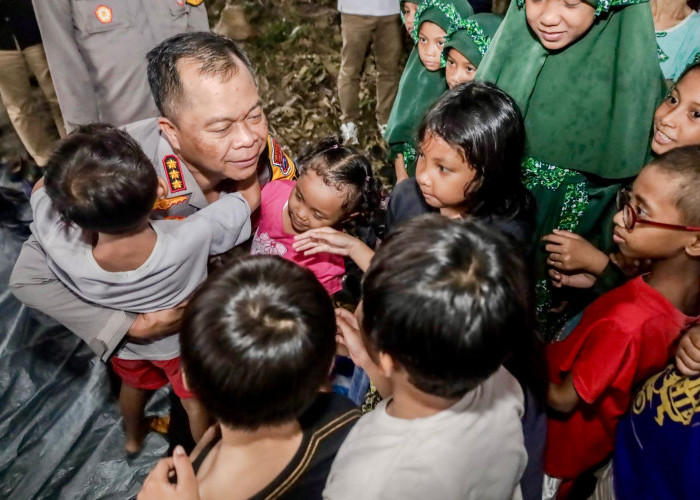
<point x="677" y="119"/>
<point x="431" y="42"/>
<point x="443" y="175"/>
<point x="409" y="13"/>
<point x="559" y="23"/>
<point x="652" y="197"/>
<point x="313" y="203"/>
<point x="459" y="69"/>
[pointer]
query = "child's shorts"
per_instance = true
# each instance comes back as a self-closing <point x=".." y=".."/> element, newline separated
<point x="151" y="374"/>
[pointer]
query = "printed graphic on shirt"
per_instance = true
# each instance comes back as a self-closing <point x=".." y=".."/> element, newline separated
<point x="264" y="245"/>
<point x="674" y="396"/>
<point x="278" y="159"/>
<point x="176" y="182"/>
<point x="104" y="14"/>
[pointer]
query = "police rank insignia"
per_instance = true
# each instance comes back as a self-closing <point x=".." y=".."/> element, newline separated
<point x="103" y="14"/>
<point x="278" y="159"/>
<point x="176" y="181"/>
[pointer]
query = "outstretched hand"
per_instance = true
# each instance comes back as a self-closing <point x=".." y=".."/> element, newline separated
<point x="576" y="280"/>
<point x="158" y="486"/>
<point x="327" y="239"/>
<point x="348" y="334"/>
<point x="571" y="252"/>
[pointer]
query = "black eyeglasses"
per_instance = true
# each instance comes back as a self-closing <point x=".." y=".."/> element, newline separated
<point x="630" y="217"/>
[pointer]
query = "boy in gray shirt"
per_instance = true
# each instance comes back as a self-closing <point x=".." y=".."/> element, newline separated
<point x="92" y="220"/>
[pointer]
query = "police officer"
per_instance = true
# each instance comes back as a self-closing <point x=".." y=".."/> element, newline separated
<point x="97" y="50"/>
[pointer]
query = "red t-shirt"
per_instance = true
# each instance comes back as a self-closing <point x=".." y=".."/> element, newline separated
<point x="271" y="238"/>
<point x="624" y="337"/>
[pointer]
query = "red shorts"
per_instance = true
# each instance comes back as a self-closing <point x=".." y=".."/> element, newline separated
<point x="151" y="374"/>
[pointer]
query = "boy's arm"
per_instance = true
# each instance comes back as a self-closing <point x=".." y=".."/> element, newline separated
<point x="227" y="222"/>
<point x="563" y="397"/>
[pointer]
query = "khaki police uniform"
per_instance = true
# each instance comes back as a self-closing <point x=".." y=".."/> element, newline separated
<point x="102" y="329"/>
<point x="97" y="49"/>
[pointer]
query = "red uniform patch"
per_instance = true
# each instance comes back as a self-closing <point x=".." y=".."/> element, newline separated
<point x="104" y="14"/>
<point x="176" y="181"/>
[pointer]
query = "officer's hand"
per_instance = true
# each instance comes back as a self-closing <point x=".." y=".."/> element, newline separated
<point x="157" y="324"/>
<point x="158" y="486"/>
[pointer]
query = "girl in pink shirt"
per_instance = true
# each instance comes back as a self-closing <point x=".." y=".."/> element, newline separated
<point x="335" y="186"/>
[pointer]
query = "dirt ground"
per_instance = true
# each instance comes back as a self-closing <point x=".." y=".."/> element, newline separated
<point x="295" y="48"/>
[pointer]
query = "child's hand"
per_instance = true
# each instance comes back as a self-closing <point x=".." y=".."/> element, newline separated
<point x="327" y="239"/>
<point x="576" y="280"/>
<point x="157" y="485"/>
<point x="348" y="335"/>
<point x="570" y="252"/>
<point x="688" y="353"/>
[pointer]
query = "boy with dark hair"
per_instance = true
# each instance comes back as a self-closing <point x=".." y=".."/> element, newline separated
<point x="443" y="303"/>
<point x="630" y="332"/>
<point x="258" y="341"/>
<point x="92" y="220"/>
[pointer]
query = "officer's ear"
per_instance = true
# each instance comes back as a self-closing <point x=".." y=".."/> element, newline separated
<point x="171" y="132"/>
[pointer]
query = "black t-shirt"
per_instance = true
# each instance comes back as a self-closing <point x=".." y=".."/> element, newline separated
<point x="324" y="425"/>
<point x="407" y="202"/>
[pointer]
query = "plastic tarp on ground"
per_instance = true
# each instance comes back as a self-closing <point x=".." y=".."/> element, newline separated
<point x="60" y="431"/>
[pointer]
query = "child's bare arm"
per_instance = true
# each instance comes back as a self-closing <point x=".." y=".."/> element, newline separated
<point x="349" y="335"/>
<point x="688" y="353"/>
<point x="563" y="397"/>
<point x="571" y="252"/>
<point x="576" y="280"/>
<point x="327" y="239"/>
<point x="39" y="184"/>
<point x="400" y="167"/>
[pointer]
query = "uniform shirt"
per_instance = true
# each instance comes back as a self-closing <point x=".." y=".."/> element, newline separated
<point x="472" y="450"/>
<point x="657" y="449"/>
<point x="176" y="266"/>
<point x="373" y="8"/>
<point x="271" y="238"/>
<point x="97" y="49"/>
<point x="624" y="336"/>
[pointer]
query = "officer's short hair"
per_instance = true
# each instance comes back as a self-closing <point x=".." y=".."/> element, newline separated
<point x="216" y="55"/>
<point x="447" y="300"/>
<point x="99" y="178"/>
<point x="258" y="340"/>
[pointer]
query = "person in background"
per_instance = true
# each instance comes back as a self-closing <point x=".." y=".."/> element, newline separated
<point x="22" y="53"/>
<point x="363" y="24"/>
<point x="467" y="46"/>
<point x="677" y="26"/>
<point x="97" y="53"/>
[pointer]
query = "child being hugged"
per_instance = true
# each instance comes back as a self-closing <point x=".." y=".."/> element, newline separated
<point x="335" y="185"/>
<point x="92" y="220"/>
<point x="629" y="333"/>
<point x="586" y="137"/>
<point x="423" y="78"/>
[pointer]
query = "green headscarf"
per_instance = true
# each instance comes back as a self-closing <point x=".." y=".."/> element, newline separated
<point x="474" y="36"/>
<point x="420" y="88"/>
<point x="588" y="107"/>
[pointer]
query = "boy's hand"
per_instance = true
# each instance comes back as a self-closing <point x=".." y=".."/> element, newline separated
<point x="327" y="239"/>
<point x="157" y="324"/>
<point x="688" y="353"/>
<point x="570" y="252"/>
<point x="348" y="334"/>
<point x="158" y="486"/>
<point x="576" y="280"/>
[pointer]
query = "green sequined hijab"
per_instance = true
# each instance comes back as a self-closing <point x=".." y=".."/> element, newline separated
<point x="588" y="107"/>
<point x="474" y="36"/>
<point x="420" y="88"/>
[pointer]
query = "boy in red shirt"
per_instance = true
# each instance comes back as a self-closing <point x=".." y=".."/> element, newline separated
<point x="630" y="332"/>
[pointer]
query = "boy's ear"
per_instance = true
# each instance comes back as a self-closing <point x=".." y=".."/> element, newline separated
<point x="171" y="132"/>
<point x="162" y="190"/>
<point x="693" y="250"/>
<point x="386" y="364"/>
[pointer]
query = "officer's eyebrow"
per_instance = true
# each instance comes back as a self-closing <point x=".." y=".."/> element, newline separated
<point x="217" y="119"/>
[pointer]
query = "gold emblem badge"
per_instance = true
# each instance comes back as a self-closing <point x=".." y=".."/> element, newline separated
<point x="104" y="14"/>
<point x="194" y="2"/>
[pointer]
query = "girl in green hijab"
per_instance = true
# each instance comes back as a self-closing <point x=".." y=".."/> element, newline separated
<point x="421" y="85"/>
<point x="466" y="47"/>
<point x="587" y="80"/>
